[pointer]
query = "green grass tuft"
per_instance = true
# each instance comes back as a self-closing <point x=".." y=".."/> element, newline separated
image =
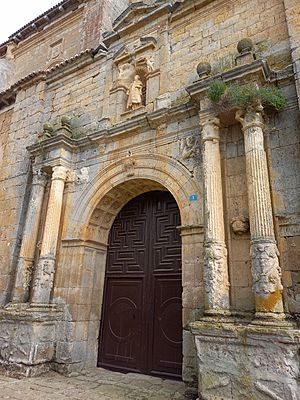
<point x="244" y="95"/>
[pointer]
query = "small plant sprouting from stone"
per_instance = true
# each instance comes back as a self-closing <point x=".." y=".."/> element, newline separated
<point x="227" y="96"/>
<point x="216" y="91"/>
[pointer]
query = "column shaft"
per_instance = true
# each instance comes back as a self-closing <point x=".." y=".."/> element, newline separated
<point x="29" y="239"/>
<point x="215" y="253"/>
<point x="266" y="271"/>
<point x="44" y="274"/>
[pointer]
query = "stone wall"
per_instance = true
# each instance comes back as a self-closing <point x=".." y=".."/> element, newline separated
<point x="115" y="154"/>
<point x="72" y="33"/>
<point x="292" y="8"/>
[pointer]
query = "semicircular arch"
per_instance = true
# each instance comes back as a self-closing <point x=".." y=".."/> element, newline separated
<point x="149" y="172"/>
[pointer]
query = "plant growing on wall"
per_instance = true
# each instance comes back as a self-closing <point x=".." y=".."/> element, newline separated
<point x="241" y="96"/>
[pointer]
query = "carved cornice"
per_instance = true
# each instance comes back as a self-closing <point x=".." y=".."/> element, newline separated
<point x="122" y="28"/>
<point x="258" y="69"/>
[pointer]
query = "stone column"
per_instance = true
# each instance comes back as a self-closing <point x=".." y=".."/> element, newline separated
<point x="29" y="239"/>
<point x="44" y="273"/>
<point x="266" y="271"/>
<point x="216" y="282"/>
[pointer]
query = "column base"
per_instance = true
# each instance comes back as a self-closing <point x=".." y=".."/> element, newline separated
<point x="237" y="360"/>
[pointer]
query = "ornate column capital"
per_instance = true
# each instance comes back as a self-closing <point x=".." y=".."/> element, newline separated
<point x="252" y="117"/>
<point x="210" y="127"/>
<point x="59" y="173"/>
<point x="39" y="177"/>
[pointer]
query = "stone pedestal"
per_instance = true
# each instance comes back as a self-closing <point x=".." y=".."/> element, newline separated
<point x="29" y="239"/>
<point x="118" y="101"/>
<point x="44" y="273"/>
<point x="215" y="253"/>
<point x="265" y="263"/>
<point x="239" y="361"/>
<point x="27" y="340"/>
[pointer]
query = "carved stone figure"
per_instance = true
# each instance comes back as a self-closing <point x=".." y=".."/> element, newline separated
<point x="135" y="94"/>
<point x="240" y="225"/>
<point x="150" y="64"/>
<point x="188" y="147"/>
<point x="126" y="75"/>
<point x="83" y="176"/>
<point x="216" y="287"/>
<point x="265" y="268"/>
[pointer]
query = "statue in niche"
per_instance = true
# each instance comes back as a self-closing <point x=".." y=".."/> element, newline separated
<point x="135" y="94"/>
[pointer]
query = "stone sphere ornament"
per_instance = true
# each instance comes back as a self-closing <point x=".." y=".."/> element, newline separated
<point x="203" y="69"/>
<point x="245" y="46"/>
<point x="47" y="129"/>
<point x="66" y="121"/>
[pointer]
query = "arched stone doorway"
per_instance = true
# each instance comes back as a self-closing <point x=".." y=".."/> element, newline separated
<point x="141" y="327"/>
<point x="82" y="258"/>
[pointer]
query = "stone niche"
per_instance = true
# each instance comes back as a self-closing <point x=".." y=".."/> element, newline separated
<point x="239" y="361"/>
<point x="129" y="63"/>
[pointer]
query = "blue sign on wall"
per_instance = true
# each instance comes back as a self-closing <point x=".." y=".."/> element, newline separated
<point x="193" y="197"/>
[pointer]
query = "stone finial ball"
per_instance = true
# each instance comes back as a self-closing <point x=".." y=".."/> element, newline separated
<point x="65" y="121"/>
<point x="203" y="68"/>
<point x="245" y="45"/>
<point x="48" y="127"/>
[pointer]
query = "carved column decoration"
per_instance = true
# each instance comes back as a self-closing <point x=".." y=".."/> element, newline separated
<point x="44" y="274"/>
<point x="216" y="281"/>
<point x="266" y="271"/>
<point x="29" y="239"/>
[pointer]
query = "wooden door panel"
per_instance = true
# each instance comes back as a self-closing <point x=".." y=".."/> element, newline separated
<point x="167" y="338"/>
<point x="141" y="325"/>
<point x="121" y="338"/>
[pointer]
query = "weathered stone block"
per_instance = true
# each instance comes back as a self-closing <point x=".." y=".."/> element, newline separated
<point x="238" y="361"/>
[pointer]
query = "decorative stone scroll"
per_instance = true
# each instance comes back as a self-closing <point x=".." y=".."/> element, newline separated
<point x="44" y="273"/>
<point x="29" y="241"/>
<point x="265" y="263"/>
<point x="216" y="281"/>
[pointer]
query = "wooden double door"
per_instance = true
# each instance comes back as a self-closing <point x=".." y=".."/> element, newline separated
<point x="141" y="328"/>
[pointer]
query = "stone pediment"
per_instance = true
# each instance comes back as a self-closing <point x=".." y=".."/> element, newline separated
<point x="122" y="55"/>
<point x="136" y="12"/>
<point x="136" y="49"/>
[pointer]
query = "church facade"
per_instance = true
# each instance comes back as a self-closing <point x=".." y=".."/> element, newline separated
<point x="150" y="193"/>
